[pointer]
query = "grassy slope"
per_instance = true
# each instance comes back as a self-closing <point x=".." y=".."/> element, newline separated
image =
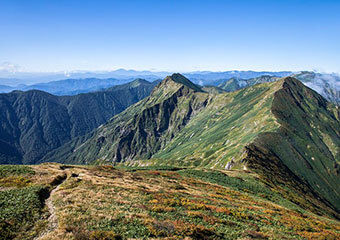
<point x="142" y="129"/>
<point x="230" y="85"/>
<point x="287" y="119"/>
<point x="107" y="203"/>
<point x="23" y="190"/>
<point x="220" y="131"/>
<point x="34" y="123"/>
<point x="308" y="140"/>
<point x="190" y="128"/>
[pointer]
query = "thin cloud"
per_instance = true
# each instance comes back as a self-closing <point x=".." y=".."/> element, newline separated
<point x="9" y="67"/>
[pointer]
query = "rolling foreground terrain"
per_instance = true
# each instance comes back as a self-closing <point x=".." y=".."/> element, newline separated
<point x="53" y="201"/>
<point x="188" y="162"/>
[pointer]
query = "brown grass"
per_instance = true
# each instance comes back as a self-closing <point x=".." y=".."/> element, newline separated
<point x="102" y="202"/>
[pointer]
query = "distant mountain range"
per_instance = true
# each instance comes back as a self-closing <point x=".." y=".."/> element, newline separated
<point x="14" y="79"/>
<point x="81" y="82"/>
<point x="34" y="122"/>
<point x="328" y="85"/>
<point x="216" y="78"/>
<point x="29" y="78"/>
<point x="69" y="86"/>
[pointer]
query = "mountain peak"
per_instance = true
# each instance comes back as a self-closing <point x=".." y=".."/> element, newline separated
<point x="179" y="78"/>
<point x="293" y="82"/>
<point x="139" y="81"/>
<point x="173" y="84"/>
<point x="290" y="79"/>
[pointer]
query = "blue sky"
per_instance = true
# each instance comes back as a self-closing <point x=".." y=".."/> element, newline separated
<point x="46" y="35"/>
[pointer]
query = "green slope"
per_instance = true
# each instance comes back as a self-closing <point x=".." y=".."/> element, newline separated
<point x="285" y="118"/>
<point x="220" y="131"/>
<point x="307" y="142"/>
<point x="144" y="128"/>
<point x="33" y="123"/>
<point x="231" y="85"/>
<point x="234" y="84"/>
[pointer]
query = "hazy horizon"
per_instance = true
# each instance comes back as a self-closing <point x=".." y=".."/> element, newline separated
<point x="16" y="78"/>
<point x="11" y="71"/>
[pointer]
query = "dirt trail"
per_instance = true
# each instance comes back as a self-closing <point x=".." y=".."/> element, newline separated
<point x="52" y="219"/>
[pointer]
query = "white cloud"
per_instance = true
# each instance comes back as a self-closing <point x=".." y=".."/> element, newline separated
<point x="9" y="67"/>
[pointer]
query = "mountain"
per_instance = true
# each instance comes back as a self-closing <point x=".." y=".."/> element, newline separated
<point x="35" y="122"/>
<point x="84" y="81"/>
<point x="74" y="86"/>
<point x="216" y="78"/>
<point x="212" y="89"/>
<point x="262" y="79"/>
<point x="75" y="82"/>
<point x="282" y="130"/>
<point x="10" y="82"/>
<point x="328" y="85"/>
<point x="185" y="162"/>
<point x="5" y="88"/>
<point x="233" y="84"/>
<point x="14" y="78"/>
<point x="147" y="123"/>
<point x="68" y="86"/>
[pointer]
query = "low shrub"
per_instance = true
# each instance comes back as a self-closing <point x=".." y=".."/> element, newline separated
<point x="104" y="235"/>
<point x="14" y="181"/>
<point x="19" y="209"/>
<point x="16" y="170"/>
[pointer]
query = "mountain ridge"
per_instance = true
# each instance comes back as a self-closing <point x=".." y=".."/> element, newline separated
<point x="160" y="105"/>
<point x="36" y="122"/>
<point x="305" y="146"/>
